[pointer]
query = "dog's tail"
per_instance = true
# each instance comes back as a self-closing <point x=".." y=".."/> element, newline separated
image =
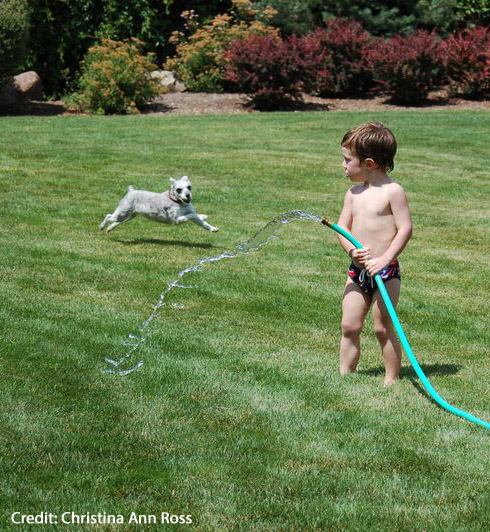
<point x="130" y="188"/>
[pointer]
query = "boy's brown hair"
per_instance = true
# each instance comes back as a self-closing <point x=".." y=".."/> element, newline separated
<point x="374" y="141"/>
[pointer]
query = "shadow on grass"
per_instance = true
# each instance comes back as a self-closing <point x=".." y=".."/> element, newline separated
<point x="33" y="109"/>
<point x="159" y="242"/>
<point x="409" y="373"/>
<point x="155" y="107"/>
<point x="440" y="101"/>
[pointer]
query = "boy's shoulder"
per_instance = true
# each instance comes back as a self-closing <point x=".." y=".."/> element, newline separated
<point x="395" y="188"/>
<point x="390" y="186"/>
<point x="394" y="184"/>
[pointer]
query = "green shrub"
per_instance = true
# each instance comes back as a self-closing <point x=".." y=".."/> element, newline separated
<point x="200" y="57"/>
<point x="14" y="30"/>
<point x="116" y="78"/>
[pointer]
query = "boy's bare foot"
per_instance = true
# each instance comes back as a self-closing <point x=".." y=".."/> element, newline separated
<point x="389" y="382"/>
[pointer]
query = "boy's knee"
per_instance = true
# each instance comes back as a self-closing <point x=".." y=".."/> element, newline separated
<point x="350" y="328"/>
<point x="382" y="330"/>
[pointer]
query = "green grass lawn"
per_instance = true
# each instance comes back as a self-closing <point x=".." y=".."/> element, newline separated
<point x="238" y="417"/>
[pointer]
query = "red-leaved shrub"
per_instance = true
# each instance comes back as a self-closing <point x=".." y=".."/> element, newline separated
<point x="408" y="67"/>
<point x="267" y="68"/>
<point x="467" y="57"/>
<point x="339" y="53"/>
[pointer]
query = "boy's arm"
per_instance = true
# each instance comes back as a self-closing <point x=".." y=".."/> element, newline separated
<point x="403" y="222"/>
<point x="345" y="221"/>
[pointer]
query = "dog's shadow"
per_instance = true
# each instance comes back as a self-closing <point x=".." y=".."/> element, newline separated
<point x="160" y="242"/>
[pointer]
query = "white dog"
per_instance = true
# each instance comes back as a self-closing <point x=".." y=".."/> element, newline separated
<point x="172" y="206"/>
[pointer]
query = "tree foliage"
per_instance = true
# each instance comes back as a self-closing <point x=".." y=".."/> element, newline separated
<point x="474" y="11"/>
<point x="379" y="17"/>
<point x="64" y="30"/>
<point x="14" y="28"/>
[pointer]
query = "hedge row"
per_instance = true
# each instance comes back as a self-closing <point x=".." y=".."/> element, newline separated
<point x="343" y="60"/>
<point x="53" y="36"/>
<point x="340" y="60"/>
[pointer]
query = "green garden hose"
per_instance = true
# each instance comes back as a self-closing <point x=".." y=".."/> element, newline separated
<point x="403" y="339"/>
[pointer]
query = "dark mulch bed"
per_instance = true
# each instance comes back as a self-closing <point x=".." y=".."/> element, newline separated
<point x="203" y="103"/>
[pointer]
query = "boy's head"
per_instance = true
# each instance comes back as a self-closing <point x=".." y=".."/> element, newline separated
<point x="372" y="141"/>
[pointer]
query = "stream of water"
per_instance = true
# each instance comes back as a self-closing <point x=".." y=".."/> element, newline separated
<point x="135" y="340"/>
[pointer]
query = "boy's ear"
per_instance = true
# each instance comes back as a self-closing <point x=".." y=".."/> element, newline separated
<point x="370" y="163"/>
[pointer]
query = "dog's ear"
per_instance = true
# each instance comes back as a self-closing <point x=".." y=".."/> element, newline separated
<point x="185" y="178"/>
<point x="172" y="181"/>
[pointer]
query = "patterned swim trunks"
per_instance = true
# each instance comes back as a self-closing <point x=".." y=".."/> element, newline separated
<point x="361" y="277"/>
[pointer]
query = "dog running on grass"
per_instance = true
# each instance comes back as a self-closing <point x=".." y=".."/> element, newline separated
<point x="172" y="206"/>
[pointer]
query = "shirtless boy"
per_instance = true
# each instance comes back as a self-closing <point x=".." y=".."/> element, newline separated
<point x="376" y="212"/>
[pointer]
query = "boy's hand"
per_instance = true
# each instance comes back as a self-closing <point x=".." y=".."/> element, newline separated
<point x="374" y="266"/>
<point x="360" y="256"/>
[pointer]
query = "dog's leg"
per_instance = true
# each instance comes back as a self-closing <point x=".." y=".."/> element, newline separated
<point x="104" y="221"/>
<point x="113" y="226"/>
<point x="121" y="214"/>
<point x="119" y="221"/>
<point x="196" y="218"/>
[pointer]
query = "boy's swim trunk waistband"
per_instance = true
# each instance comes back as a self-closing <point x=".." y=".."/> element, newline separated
<point x="362" y="278"/>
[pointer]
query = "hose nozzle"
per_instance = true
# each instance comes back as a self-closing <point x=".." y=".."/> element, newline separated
<point x="326" y="222"/>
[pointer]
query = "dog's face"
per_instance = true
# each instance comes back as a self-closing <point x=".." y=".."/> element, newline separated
<point x="181" y="189"/>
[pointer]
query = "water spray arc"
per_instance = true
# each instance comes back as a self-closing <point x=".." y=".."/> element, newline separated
<point x="403" y="339"/>
<point x="262" y="237"/>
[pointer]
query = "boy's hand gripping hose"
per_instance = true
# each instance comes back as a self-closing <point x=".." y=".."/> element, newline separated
<point x="403" y="339"/>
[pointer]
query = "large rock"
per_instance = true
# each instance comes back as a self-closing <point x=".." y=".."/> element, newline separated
<point x="10" y="97"/>
<point x="168" y="81"/>
<point x="29" y="85"/>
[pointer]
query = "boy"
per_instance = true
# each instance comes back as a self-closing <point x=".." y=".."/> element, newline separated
<point x="376" y="212"/>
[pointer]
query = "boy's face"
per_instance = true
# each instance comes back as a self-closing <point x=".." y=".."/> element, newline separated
<point x="353" y="167"/>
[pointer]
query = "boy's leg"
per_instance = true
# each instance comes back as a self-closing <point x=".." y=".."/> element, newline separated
<point x="385" y="331"/>
<point x="355" y="306"/>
